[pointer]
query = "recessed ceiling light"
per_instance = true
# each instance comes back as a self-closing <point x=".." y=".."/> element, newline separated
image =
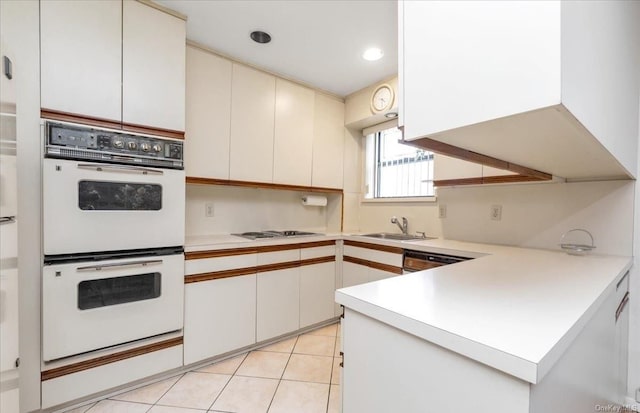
<point x="372" y="54"/>
<point x="260" y="37"/>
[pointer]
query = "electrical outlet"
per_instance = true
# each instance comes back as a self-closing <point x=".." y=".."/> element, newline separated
<point x="442" y="211"/>
<point x="496" y="212"/>
<point x="208" y="209"/>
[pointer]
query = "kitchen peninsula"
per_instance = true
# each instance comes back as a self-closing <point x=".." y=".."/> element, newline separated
<point x="516" y="330"/>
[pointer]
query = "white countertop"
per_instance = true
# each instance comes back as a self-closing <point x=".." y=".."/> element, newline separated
<point x="514" y="309"/>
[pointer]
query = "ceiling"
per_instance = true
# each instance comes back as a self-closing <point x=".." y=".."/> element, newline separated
<point x="317" y="42"/>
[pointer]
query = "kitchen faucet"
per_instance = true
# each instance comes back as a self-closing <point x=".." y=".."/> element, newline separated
<point x="404" y="227"/>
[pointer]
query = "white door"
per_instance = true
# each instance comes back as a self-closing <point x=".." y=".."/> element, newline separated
<point x="91" y="207"/>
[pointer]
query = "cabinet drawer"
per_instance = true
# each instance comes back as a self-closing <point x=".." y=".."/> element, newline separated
<point x="316" y="252"/>
<point x="274" y="257"/>
<point x="382" y="257"/>
<point x="220" y="263"/>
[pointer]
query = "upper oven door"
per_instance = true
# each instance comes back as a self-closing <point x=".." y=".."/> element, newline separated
<point x="91" y="305"/>
<point x="93" y="207"/>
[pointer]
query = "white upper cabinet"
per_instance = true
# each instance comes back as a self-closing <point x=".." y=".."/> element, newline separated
<point x="81" y="57"/>
<point x="153" y="71"/>
<point x="545" y="84"/>
<point x="208" y="115"/>
<point x="252" y="122"/>
<point x="293" y="137"/>
<point x="328" y="142"/>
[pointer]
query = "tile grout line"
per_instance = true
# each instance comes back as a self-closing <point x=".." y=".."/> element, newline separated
<point x="282" y="375"/>
<point x="333" y="354"/>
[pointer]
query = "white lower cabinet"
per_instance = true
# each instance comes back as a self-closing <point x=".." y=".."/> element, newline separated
<point x="317" y="288"/>
<point x="354" y="274"/>
<point x="278" y="303"/>
<point x="220" y="316"/>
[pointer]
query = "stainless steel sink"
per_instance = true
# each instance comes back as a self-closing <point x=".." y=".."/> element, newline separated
<point x="396" y="237"/>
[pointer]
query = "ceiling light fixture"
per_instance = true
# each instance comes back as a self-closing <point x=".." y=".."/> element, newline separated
<point x="372" y="54"/>
<point x="391" y="115"/>
<point x="259" y="36"/>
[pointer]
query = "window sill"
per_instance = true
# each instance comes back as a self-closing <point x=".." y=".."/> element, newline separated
<point x="398" y="200"/>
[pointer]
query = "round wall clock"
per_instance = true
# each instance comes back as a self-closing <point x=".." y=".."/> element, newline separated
<point x="382" y="98"/>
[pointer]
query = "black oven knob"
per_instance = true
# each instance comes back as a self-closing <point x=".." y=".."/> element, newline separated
<point x="157" y="147"/>
<point x="132" y="146"/>
<point x="145" y="147"/>
<point x="118" y="143"/>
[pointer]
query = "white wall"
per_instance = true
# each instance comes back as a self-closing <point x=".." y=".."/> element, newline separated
<point x="536" y="215"/>
<point x="239" y="209"/>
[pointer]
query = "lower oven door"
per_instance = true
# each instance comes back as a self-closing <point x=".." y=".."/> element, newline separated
<point x="91" y="207"/>
<point x="91" y="305"/>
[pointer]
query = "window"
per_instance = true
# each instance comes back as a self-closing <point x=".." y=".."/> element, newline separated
<point x="396" y="170"/>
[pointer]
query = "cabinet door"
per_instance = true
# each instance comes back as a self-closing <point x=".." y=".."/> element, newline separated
<point x="472" y="74"/>
<point x="317" y="287"/>
<point x="208" y="115"/>
<point x="252" y="113"/>
<point x="278" y="303"/>
<point x="354" y="274"/>
<point x="219" y="316"/>
<point x="153" y="67"/>
<point x="81" y="57"/>
<point x="293" y="136"/>
<point x="328" y="142"/>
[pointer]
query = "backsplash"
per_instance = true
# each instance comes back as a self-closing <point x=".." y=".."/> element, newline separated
<point x="238" y="209"/>
<point x="536" y="215"/>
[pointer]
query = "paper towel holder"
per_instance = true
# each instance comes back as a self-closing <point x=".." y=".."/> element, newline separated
<point x="314" y="200"/>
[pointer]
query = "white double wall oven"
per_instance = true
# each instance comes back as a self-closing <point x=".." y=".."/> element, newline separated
<point x="113" y="235"/>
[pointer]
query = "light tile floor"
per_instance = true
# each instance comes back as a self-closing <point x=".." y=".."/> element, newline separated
<point x="296" y="375"/>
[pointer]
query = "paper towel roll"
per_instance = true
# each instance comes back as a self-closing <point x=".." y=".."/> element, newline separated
<point x="314" y="200"/>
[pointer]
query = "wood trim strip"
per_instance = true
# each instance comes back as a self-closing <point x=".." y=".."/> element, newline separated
<point x="108" y="359"/>
<point x="84" y="120"/>
<point x="216" y="275"/>
<point x="278" y="266"/>
<point x="167" y="133"/>
<point x="376" y="247"/>
<point x="318" y="260"/>
<point x="372" y="264"/>
<point x="197" y="255"/>
<point x="265" y="185"/>
<point x="467" y="155"/>
<point x="273" y="248"/>
<point x="316" y="244"/>
<point x="108" y="123"/>
<point x="499" y="179"/>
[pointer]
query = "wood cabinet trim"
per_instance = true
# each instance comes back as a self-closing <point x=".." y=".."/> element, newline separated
<point x="108" y="123"/>
<point x="277" y="266"/>
<point x="81" y="119"/>
<point x="198" y="255"/>
<point x="316" y="244"/>
<point x="498" y="179"/>
<point x="372" y="264"/>
<point x="216" y="275"/>
<point x="318" y="260"/>
<point x="265" y="185"/>
<point x="377" y="247"/>
<point x="108" y="359"/>
<point x="467" y="155"/>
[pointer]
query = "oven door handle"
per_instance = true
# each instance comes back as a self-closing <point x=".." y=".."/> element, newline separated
<point x="127" y="264"/>
<point x="120" y="168"/>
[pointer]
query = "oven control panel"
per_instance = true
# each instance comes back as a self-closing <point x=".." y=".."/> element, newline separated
<point x="88" y="143"/>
